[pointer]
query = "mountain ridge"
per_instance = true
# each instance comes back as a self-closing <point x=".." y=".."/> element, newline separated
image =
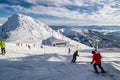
<point x="22" y="28"/>
<point x="21" y="24"/>
<point x="106" y="38"/>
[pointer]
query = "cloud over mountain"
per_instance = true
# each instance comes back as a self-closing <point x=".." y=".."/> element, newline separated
<point x="79" y="12"/>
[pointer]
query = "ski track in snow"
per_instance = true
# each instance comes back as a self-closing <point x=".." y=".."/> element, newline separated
<point x="52" y="63"/>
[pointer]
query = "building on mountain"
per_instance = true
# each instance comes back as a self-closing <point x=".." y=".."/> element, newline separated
<point x="56" y="42"/>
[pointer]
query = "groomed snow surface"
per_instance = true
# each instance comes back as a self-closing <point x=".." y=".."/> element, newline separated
<point x="53" y="63"/>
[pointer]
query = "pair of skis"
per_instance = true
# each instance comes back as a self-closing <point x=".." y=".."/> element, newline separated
<point x="102" y="74"/>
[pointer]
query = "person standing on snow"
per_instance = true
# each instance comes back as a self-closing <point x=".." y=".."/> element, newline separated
<point x="2" y="45"/>
<point x="96" y="59"/>
<point x="68" y="50"/>
<point x="75" y="56"/>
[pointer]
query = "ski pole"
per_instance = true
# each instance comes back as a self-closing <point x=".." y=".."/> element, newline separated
<point x="80" y="59"/>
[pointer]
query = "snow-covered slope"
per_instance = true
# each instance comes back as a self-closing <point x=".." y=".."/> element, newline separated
<point x="22" y="28"/>
<point x="53" y="63"/>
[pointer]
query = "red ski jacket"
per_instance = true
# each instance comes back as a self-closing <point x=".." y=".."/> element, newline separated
<point x="96" y="58"/>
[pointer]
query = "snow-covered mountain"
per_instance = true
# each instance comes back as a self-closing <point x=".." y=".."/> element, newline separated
<point x="106" y="38"/>
<point x="22" y="28"/>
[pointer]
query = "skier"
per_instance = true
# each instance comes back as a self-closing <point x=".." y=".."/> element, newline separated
<point x="68" y="50"/>
<point x="74" y="56"/>
<point x="96" y="59"/>
<point x="29" y="47"/>
<point x="2" y="45"/>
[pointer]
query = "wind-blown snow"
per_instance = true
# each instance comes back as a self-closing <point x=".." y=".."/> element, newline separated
<point x="53" y="63"/>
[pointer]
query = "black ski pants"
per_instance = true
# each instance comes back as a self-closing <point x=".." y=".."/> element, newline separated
<point x="3" y="51"/>
<point x="99" y="65"/>
<point x="73" y="60"/>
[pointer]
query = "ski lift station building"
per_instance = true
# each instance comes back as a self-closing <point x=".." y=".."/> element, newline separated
<point x="57" y="42"/>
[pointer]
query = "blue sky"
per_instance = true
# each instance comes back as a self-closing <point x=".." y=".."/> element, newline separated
<point x="64" y="12"/>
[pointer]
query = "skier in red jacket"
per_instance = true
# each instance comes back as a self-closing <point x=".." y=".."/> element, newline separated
<point x="96" y="59"/>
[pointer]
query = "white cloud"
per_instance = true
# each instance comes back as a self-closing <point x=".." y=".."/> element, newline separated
<point x="67" y="22"/>
<point x="52" y="2"/>
<point x="105" y="15"/>
<point x="52" y="11"/>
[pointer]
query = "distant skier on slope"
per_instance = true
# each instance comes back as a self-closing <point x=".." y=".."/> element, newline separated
<point x="74" y="56"/>
<point x="2" y="45"/>
<point x="96" y="59"/>
<point x="69" y="50"/>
